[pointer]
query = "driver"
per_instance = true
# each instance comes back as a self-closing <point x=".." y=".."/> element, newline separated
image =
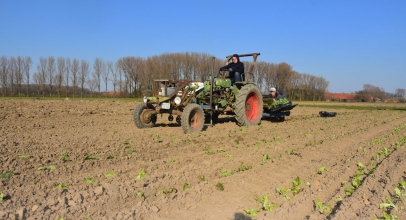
<point x="235" y="69"/>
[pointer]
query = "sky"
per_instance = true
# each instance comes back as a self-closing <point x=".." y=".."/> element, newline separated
<point x="349" y="43"/>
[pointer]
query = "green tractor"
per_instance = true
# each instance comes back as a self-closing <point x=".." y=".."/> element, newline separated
<point x="196" y="103"/>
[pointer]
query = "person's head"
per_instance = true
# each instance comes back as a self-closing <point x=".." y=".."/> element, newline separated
<point x="235" y="58"/>
<point x="272" y="90"/>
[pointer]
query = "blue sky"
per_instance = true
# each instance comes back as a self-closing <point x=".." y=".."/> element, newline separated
<point x="349" y="43"/>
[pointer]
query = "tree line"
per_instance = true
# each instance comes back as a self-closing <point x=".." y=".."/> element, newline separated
<point x="132" y="76"/>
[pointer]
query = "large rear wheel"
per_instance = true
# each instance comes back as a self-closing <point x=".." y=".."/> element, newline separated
<point x="143" y="117"/>
<point x="192" y="118"/>
<point x="249" y="105"/>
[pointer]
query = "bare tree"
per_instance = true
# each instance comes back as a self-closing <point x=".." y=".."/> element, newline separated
<point x="98" y="67"/>
<point x="12" y="74"/>
<point x="401" y="93"/>
<point x="42" y="71"/>
<point x="112" y="68"/>
<point x="74" y="76"/>
<point x="4" y="74"/>
<point x="50" y="73"/>
<point x="83" y="74"/>
<point x="74" y="69"/>
<point x="105" y="74"/>
<point x="27" y="67"/>
<point x="61" y="65"/>
<point x="67" y="75"/>
<point x="92" y="85"/>
<point x="38" y="80"/>
<point x="19" y="73"/>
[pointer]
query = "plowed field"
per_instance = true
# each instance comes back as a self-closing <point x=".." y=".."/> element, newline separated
<point x="87" y="160"/>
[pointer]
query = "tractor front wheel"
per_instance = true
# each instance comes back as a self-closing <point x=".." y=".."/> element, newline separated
<point x="143" y="117"/>
<point x="249" y="105"/>
<point x="192" y="118"/>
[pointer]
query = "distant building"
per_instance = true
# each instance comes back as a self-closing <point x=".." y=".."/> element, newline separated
<point x="342" y="97"/>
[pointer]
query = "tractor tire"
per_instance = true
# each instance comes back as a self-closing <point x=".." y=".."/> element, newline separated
<point x="248" y="105"/>
<point x="143" y="118"/>
<point x="192" y="118"/>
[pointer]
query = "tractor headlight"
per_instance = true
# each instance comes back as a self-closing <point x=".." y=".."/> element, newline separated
<point x="145" y="100"/>
<point x="178" y="100"/>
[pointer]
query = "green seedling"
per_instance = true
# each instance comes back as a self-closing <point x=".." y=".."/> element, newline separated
<point x="360" y="166"/>
<point x="283" y="192"/>
<point x="46" y="168"/>
<point x="87" y="217"/>
<point x="291" y="151"/>
<point x="387" y="216"/>
<point x="244" y="167"/>
<point x="61" y="186"/>
<point x="251" y="212"/>
<point x="225" y="173"/>
<point x="265" y="158"/>
<point x="266" y="204"/>
<point x="388" y="205"/>
<point x="109" y="157"/>
<point x="356" y="181"/>
<point x="398" y="193"/>
<point x="338" y="199"/>
<point x="171" y="160"/>
<point x="1" y="196"/>
<point x="208" y="151"/>
<point x="295" y="186"/>
<point x="220" y="150"/>
<point x="65" y="156"/>
<point x="202" y="178"/>
<point x="323" y="209"/>
<point x="90" y="180"/>
<point x="22" y="156"/>
<point x="91" y="157"/>
<point x="6" y="175"/>
<point x="140" y="195"/>
<point x="186" y="186"/>
<point x="384" y="151"/>
<point x="402" y="184"/>
<point x="220" y="186"/>
<point x="141" y="175"/>
<point x="349" y="191"/>
<point x="228" y="155"/>
<point x="111" y="174"/>
<point x="321" y="170"/>
<point x="60" y="218"/>
<point x="165" y="191"/>
<point x="344" y="182"/>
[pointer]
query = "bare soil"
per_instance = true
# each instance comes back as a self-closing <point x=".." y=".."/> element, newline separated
<point x="49" y="148"/>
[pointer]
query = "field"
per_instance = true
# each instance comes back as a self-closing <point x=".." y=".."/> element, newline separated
<point x="87" y="160"/>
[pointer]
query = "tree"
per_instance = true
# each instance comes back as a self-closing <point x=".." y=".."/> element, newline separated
<point x="98" y="67"/>
<point x="50" y="73"/>
<point x="74" y="69"/>
<point x="112" y="68"/>
<point x="105" y="74"/>
<point x="42" y="71"/>
<point x="38" y="80"/>
<point x="61" y="64"/>
<point x="19" y="73"/>
<point x="84" y="72"/>
<point x="27" y="67"/>
<point x="12" y="73"/>
<point x="67" y="75"/>
<point x="4" y="74"/>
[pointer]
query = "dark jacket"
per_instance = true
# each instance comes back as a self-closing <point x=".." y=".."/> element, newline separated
<point x="235" y="67"/>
